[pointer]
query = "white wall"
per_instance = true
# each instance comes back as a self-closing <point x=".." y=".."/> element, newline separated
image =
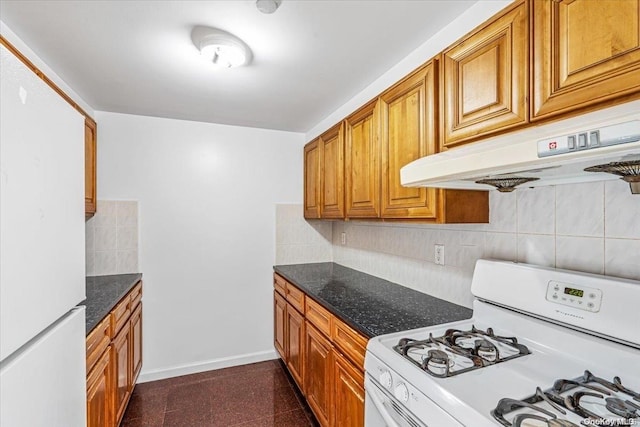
<point x="207" y="196"/>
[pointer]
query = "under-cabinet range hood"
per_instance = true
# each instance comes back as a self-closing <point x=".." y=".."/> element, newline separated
<point x="597" y="146"/>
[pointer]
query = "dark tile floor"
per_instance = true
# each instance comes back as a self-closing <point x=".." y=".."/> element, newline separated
<point x="257" y="395"/>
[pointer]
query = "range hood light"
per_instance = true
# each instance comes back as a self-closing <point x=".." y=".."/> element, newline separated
<point x="629" y="171"/>
<point x="506" y="185"/>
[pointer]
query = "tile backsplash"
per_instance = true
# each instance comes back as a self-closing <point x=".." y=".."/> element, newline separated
<point x="299" y="241"/>
<point x="593" y="227"/>
<point x="112" y="239"/>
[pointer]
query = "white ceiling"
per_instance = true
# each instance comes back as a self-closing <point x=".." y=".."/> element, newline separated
<point x="309" y="57"/>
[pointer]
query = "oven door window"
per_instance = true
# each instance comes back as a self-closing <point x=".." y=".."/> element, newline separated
<point x="383" y="410"/>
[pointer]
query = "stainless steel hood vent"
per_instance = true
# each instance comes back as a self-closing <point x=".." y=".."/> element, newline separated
<point x="597" y="146"/>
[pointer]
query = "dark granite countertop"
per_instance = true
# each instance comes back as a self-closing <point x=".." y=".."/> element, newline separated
<point x="371" y="305"/>
<point x="103" y="293"/>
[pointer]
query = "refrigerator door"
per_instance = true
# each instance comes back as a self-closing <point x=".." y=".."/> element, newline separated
<point x="42" y="253"/>
<point x="44" y="383"/>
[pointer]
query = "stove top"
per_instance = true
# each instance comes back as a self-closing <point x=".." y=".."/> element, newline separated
<point x="459" y="351"/>
<point x="588" y="400"/>
<point x="540" y="355"/>
<point x="527" y="357"/>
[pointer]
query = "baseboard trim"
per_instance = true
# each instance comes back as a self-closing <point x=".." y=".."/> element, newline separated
<point x="194" y="368"/>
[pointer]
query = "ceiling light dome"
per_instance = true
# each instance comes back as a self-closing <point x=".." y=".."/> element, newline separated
<point x="223" y="49"/>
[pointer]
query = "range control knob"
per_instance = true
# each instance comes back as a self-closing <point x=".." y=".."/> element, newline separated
<point x="385" y="378"/>
<point x="402" y="393"/>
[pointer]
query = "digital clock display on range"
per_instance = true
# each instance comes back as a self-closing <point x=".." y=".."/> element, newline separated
<point x="574" y="292"/>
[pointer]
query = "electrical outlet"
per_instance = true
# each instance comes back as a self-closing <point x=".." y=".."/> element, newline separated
<point x="439" y="254"/>
<point x="343" y="238"/>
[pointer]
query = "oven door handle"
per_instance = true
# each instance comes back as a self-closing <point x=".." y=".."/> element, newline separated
<point x="382" y="410"/>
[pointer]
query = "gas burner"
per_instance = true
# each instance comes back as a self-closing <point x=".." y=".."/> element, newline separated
<point x="588" y="397"/>
<point x="620" y="407"/>
<point x="460" y="351"/>
<point x="437" y="362"/>
<point x="486" y="344"/>
<point x="435" y="357"/>
<point x="487" y="350"/>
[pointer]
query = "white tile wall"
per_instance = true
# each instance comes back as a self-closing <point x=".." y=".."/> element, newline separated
<point x="299" y="241"/>
<point x="112" y="238"/>
<point x="592" y="227"/>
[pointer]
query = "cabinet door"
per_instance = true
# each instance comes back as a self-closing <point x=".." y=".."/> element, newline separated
<point x="312" y="180"/>
<point x="318" y="379"/>
<point x="99" y="390"/>
<point x="90" y="141"/>
<point x="349" y="394"/>
<point x="332" y="173"/>
<point x="122" y="371"/>
<point x="407" y="117"/>
<point x="295" y="345"/>
<point x="362" y="163"/>
<point x="136" y="344"/>
<point x="485" y="79"/>
<point x="279" y="322"/>
<point x="584" y="52"/>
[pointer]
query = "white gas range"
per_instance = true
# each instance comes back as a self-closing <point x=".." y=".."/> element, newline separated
<point x="545" y="347"/>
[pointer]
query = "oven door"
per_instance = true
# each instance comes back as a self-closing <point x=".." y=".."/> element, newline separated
<point x="383" y="410"/>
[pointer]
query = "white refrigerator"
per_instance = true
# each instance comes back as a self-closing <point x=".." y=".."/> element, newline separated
<point x="42" y="267"/>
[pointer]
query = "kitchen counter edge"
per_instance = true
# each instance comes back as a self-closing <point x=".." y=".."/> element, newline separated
<point x="371" y="305"/>
<point x="103" y="293"/>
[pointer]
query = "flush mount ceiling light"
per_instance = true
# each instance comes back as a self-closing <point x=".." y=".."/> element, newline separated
<point x="223" y="49"/>
<point x="268" y="6"/>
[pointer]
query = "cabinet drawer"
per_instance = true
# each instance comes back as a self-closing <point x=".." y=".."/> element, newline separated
<point x="318" y="316"/>
<point x="119" y="315"/>
<point x="97" y="342"/>
<point x="280" y="285"/>
<point x="295" y="297"/>
<point x="136" y="295"/>
<point x="350" y="342"/>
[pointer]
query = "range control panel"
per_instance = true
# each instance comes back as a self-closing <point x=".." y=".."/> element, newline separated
<point x="622" y="133"/>
<point x="576" y="296"/>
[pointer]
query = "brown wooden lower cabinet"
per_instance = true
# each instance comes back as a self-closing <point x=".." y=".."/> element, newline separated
<point x="121" y="351"/>
<point x="279" y="319"/>
<point x="324" y="356"/>
<point x="99" y="412"/>
<point x="136" y="343"/>
<point x="349" y="394"/>
<point x="114" y="361"/>
<point x="318" y="380"/>
<point x="295" y="338"/>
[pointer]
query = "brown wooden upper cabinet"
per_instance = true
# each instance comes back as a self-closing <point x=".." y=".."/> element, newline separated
<point x="90" y="139"/>
<point x="408" y="132"/>
<point x="379" y="139"/>
<point x="484" y="78"/>
<point x="312" y="180"/>
<point x="332" y="172"/>
<point x="362" y="163"/>
<point x="584" y="52"/>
